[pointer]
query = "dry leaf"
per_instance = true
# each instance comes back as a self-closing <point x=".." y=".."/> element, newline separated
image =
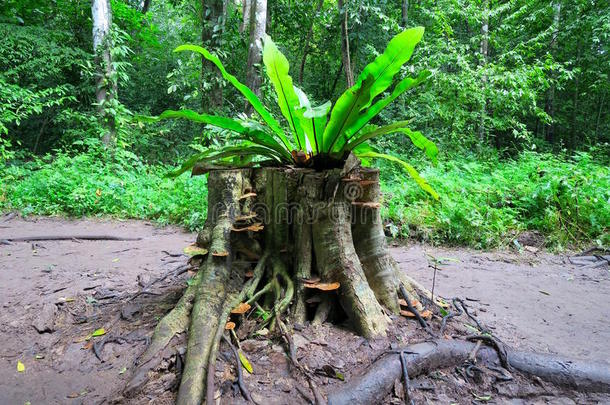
<point x="403" y="303"/>
<point x="323" y="286"/>
<point x="241" y="308"/>
<point x="424" y="314"/>
<point x="230" y="326"/>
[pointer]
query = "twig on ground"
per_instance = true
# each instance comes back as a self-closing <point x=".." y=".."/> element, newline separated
<point x="70" y="237"/>
<point x="240" y="377"/>
<point x="405" y="378"/>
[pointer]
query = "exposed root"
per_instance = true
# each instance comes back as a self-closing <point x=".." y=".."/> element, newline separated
<point x="422" y="358"/>
<point x="172" y="324"/>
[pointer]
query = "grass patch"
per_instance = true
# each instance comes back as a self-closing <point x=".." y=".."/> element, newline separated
<point x="484" y="204"/>
<point x="487" y="204"/>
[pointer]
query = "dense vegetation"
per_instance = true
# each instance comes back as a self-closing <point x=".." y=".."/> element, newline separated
<point x="517" y="103"/>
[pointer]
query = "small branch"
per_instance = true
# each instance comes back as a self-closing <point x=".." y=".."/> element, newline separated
<point x="70" y="237"/>
<point x="240" y="377"/>
<point x="412" y="309"/>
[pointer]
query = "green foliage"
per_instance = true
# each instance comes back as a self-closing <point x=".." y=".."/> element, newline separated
<point x="99" y="184"/>
<point x="486" y="204"/>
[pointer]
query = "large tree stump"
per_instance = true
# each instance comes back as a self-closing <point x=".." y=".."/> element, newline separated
<point x="297" y="224"/>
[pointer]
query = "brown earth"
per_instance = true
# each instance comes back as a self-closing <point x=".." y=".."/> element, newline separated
<point x="54" y="294"/>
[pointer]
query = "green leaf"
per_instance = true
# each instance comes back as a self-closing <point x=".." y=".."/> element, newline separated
<point x="408" y="168"/>
<point x="210" y="156"/>
<point x="312" y="120"/>
<point x="402" y="86"/>
<point x="395" y="127"/>
<point x="423" y="143"/>
<point x="98" y="332"/>
<point x="245" y="362"/>
<point x="277" y="68"/>
<point x="374" y="80"/>
<point x="243" y="89"/>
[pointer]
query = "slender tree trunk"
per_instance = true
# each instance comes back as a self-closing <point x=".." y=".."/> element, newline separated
<point x="257" y="32"/>
<point x="484" y="56"/>
<point x="247" y="16"/>
<point x="307" y="41"/>
<point x="146" y="6"/>
<point x="405" y="12"/>
<point x="550" y="100"/>
<point x="106" y="86"/>
<point x="210" y="38"/>
<point x="345" y="54"/>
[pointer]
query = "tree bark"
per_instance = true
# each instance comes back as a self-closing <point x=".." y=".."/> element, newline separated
<point x="484" y="56"/>
<point x="299" y="224"/>
<point x="405" y="12"/>
<point x="210" y="38"/>
<point x="146" y="6"/>
<point x="246" y="16"/>
<point x="255" y="48"/>
<point x="105" y="83"/>
<point x="345" y="53"/>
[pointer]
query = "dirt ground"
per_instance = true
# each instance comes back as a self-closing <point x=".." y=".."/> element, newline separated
<point x="55" y="294"/>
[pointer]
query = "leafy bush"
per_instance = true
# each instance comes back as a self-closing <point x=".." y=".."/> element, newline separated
<point x="98" y="184"/>
<point x="488" y="203"/>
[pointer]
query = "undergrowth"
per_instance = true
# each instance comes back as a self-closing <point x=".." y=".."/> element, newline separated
<point x="488" y="203"/>
<point x="484" y="203"/>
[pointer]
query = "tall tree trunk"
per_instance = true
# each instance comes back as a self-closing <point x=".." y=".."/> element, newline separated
<point x="345" y="54"/>
<point x="405" y="12"/>
<point x="257" y="31"/>
<point x="105" y="84"/>
<point x="550" y="100"/>
<point x="307" y="41"/>
<point x="210" y="37"/>
<point x="146" y="6"/>
<point x="484" y="57"/>
<point x="247" y="16"/>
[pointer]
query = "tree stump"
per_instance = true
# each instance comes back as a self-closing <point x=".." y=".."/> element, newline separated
<point x="298" y="226"/>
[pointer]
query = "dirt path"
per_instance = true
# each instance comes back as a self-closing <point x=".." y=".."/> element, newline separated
<point x="54" y="294"/>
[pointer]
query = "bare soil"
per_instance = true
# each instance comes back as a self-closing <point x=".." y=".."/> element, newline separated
<point x="55" y="294"/>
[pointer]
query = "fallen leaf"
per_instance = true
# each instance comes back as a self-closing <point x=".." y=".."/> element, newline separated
<point x="544" y="292"/>
<point x="230" y="326"/>
<point x="73" y="395"/>
<point x="115" y="260"/>
<point x="323" y="286"/>
<point x="194" y="250"/>
<point x="122" y="371"/>
<point x="241" y="308"/>
<point x="96" y="333"/>
<point x="20" y="366"/>
<point x="404" y="303"/>
<point x="426" y="313"/>
<point x="245" y="362"/>
<point x="88" y="345"/>
<point x="98" y="192"/>
<point x="39" y="357"/>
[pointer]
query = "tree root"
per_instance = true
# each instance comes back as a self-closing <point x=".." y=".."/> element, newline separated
<point x="69" y="237"/>
<point x="422" y="358"/>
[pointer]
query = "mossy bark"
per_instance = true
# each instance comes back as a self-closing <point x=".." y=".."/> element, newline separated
<point x="294" y="224"/>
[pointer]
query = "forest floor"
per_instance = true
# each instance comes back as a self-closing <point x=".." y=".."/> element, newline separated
<point x="55" y="294"/>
